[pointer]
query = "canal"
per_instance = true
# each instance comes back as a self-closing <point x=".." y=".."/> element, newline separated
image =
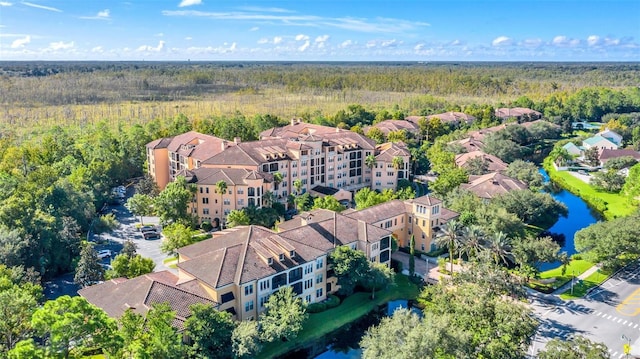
<point x="580" y="216"/>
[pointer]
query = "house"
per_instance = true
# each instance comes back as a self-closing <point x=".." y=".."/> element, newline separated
<point x="480" y="134"/>
<point x="453" y="118"/>
<point x="611" y="136"/>
<point x="599" y="142"/>
<point x="491" y="185"/>
<point x="385" y="173"/>
<point x="388" y="126"/>
<point x="469" y="144"/>
<point x="494" y="164"/>
<point x="519" y="113"/>
<point x="572" y="149"/>
<point x="605" y="154"/>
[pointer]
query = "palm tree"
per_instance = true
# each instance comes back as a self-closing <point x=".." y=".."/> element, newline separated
<point x="397" y="162"/>
<point x="268" y="198"/>
<point x="370" y="161"/>
<point x="277" y="179"/>
<point x="473" y="240"/>
<point x="221" y="187"/>
<point x="499" y="245"/>
<point x="451" y="235"/>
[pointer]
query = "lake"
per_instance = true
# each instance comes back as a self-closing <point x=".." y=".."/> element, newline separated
<point x="580" y="216"/>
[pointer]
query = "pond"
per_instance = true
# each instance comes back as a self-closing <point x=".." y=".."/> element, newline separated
<point x="580" y="216"/>
<point x="347" y="348"/>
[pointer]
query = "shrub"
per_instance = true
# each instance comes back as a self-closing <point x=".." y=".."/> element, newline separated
<point x="317" y="307"/>
<point x="206" y="226"/>
<point x="332" y="301"/>
<point x="396" y="265"/>
<point x="577" y="256"/>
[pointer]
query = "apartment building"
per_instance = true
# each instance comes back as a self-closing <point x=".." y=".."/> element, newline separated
<point x="166" y="157"/>
<point x="421" y="217"/>
<point x="386" y="172"/>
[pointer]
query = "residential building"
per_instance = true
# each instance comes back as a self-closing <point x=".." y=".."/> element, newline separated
<point x="168" y="156"/>
<point x="611" y="136"/>
<point x="492" y="184"/>
<point x="388" y="126"/>
<point x="599" y="142"/>
<point x="453" y="118"/>
<point x="469" y="144"/>
<point x="493" y="163"/>
<point x="572" y="149"/>
<point x="519" y="113"/>
<point x="605" y="154"/>
<point x="421" y="217"/>
<point x="385" y="173"/>
<point x="243" y="188"/>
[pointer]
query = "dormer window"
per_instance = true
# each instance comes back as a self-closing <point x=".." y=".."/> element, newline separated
<point x="281" y="257"/>
<point x="269" y="261"/>
<point x="292" y="254"/>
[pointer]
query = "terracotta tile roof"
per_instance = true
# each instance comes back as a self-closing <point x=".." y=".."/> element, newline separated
<point x="469" y="144"/>
<point x="479" y="135"/>
<point x="387" y="151"/>
<point x="413" y="119"/>
<point x="211" y="176"/>
<point x="605" y="154"/>
<point x="492" y="184"/>
<point x="159" y="143"/>
<point x="453" y="117"/>
<point x="381" y="211"/>
<point x="139" y="293"/>
<point x="387" y="126"/>
<point x="505" y="112"/>
<point x="205" y="146"/>
<point x="528" y="125"/>
<point x="426" y="200"/>
<point x="299" y="128"/>
<point x="494" y="163"/>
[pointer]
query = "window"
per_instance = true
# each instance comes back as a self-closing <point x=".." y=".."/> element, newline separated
<point x="308" y="269"/>
<point x="319" y="263"/>
<point x="205" y="200"/>
<point x="319" y="278"/>
<point x="435" y="210"/>
<point x="248" y="306"/>
<point x="240" y="191"/>
<point x="263" y="300"/>
<point x="205" y="211"/>
<point x="374" y="246"/>
<point x="248" y="289"/>
<point x="295" y="275"/>
<point x="200" y="189"/>
<point x="265" y="284"/>
<point x="227" y="297"/>
<point x="319" y="293"/>
<point x="206" y="190"/>
<point x="226" y="202"/>
<point x="378" y="174"/>
<point x="308" y="298"/>
<point x="241" y="202"/>
<point x="308" y="284"/>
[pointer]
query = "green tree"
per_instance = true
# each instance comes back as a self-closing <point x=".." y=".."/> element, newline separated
<point x="131" y="333"/>
<point x="448" y="181"/>
<point x="147" y="186"/>
<point x="131" y="266"/>
<point x="177" y="235"/>
<point x="370" y="161"/>
<point x="379" y="277"/>
<point x="129" y="249"/>
<point x="452" y="235"/>
<point x="18" y="301"/>
<point x="499" y="246"/>
<point x="210" y="331"/>
<point x="606" y="242"/>
<point x="631" y="187"/>
<point x="576" y="347"/>
<point x="238" y="217"/>
<point x="412" y="256"/>
<point x="245" y="340"/>
<point x="526" y="172"/>
<point x="608" y="180"/>
<point x="529" y="253"/>
<point x="398" y="163"/>
<point x="620" y="162"/>
<point x="328" y="202"/>
<point x="162" y="339"/>
<point x="297" y="185"/>
<point x="534" y="208"/>
<point x="477" y="166"/>
<point x="140" y="205"/>
<point x="591" y="156"/>
<point x="376" y="134"/>
<point x="268" y="199"/>
<point x="351" y="267"/>
<point x="304" y="202"/>
<point x="283" y="316"/>
<point x="88" y="270"/>
<point x="172" y="204"/>
<point x="70" y="325"/>
<point x="277" y="179"/>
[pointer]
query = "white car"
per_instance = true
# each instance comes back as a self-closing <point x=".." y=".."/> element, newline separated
<point x="105" y="253"/>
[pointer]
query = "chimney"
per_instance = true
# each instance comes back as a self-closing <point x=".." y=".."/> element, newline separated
<point x="223" y="145"/>
<point x="295" y="121"/>
<point x="237" y="140"/>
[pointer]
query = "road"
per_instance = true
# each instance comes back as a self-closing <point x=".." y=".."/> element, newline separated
<point x="609" y="314"/>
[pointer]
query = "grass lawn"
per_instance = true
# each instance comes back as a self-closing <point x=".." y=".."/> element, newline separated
<point x="170" y="259"/>
<point x="615" y="205"/>
<point x="352" y="308"/>
<point x="576" y="267"/>
<point x="581" y="288"/>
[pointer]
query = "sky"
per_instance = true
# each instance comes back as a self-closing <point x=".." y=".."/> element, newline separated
<point x="333" y="30"/>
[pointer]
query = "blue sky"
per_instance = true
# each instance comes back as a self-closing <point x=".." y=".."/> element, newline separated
<point x="334" y="30"/>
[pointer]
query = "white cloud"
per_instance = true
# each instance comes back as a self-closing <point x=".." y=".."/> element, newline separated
<point x="61" y="45"/>
<point x="377" y="25"/>
<point x="532" y="42"/>
<point x="101" y="15"/>
<point x="19" y="43"/>
<point x="346" y="43"/>
<point x="277" y="40"/>
<point x="593" y="40"/>
<point x="501" y="41"/>
<point x="321" y="40"/>
<point x="255" y="28"/>
<point x="302" y="37"/>
<point x="456" y="42"/>
<point x="390" y="43"/>
<point x="418" y="47"/>
<point x="188" y="38"/>
<point x="147" y="48"/>
<point x="97" y="49"/>
<point x="563" y="41"/>
<point x="304" y="46"/>
<point x="371" y="43"/>
<point x="49" y="8"/>
<point x="4" y="3"/>
<point x="185" y="3"/>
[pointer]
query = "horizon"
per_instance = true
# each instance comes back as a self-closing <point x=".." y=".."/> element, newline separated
<point x="331" y="31"/>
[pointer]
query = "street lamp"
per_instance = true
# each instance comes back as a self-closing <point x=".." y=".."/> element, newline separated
<point x="573" y="278"/>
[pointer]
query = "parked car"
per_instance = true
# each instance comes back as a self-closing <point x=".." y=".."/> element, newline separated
<point x="151" y="235"/>
<point x="105" y="253"/>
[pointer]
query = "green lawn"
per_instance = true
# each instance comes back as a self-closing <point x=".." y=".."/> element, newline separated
<point x="581" y="288"/>
<point x="611" y="205"/>
<point x="170" y="259"/>
<point x="576" y="267"/>
<point x="352" y="308"/>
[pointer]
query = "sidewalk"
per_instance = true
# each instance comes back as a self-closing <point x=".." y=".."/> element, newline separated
<point x="582" y="276"/>
<point x="423" y="266"/>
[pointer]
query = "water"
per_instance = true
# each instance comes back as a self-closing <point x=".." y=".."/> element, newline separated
<point x="580" y="216"/>
<point x="353" y="351"/>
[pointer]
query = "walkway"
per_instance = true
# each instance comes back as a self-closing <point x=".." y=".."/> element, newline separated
<point x="582" y="276"/>
<point x="423" y="266"/>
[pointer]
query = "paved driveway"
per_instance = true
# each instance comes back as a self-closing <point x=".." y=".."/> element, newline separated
<point x="610" y="314"/>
